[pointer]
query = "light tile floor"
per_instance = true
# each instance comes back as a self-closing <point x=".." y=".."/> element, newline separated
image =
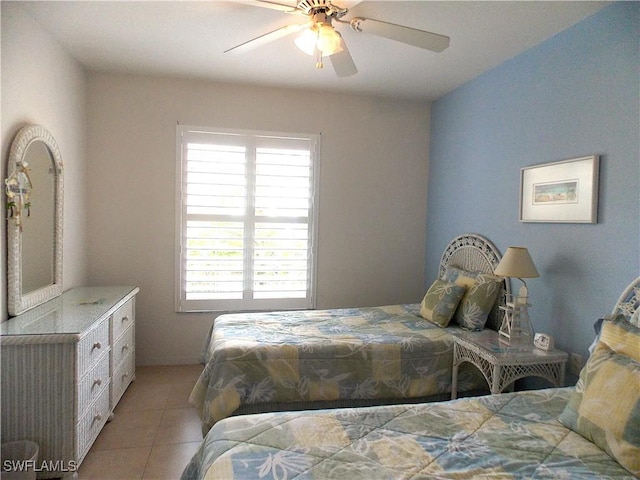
<point x="154" y="432"/>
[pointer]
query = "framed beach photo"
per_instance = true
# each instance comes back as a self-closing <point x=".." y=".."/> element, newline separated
<point x="560" y="192"/>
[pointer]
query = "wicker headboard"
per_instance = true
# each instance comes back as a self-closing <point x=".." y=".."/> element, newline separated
<point x="629" y="303"/>
<point x="474" y="253"/>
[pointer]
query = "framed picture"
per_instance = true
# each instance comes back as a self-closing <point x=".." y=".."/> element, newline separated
<point x="561" y="192"/>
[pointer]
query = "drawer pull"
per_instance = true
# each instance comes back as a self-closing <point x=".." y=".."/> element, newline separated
<point x="97" y="381"/>
<point x="125" y="318"/>
<point x="125" y="347"/>
<point x="97" y="417"/>
<point x="97" y="345"/>
<point x="125" y="375"/>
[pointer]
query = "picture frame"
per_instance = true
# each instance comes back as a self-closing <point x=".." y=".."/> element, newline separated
<point x="560" y="192"/>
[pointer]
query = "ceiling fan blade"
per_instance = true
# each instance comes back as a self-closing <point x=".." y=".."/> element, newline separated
<point x="349" y="4"/>
<point x="282" y="7"/>
<point x="266" y="38"/>
<point x="342" y="62"/>
<point x="408" y="35"/>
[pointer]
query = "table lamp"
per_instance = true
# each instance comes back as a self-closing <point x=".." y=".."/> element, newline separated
<point x="516" y="325"/>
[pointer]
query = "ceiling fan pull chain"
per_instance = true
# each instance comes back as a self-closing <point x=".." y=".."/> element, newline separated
<point x="319" y="63"/>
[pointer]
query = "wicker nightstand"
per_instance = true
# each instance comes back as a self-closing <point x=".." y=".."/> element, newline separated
<point x="502" y="364"/>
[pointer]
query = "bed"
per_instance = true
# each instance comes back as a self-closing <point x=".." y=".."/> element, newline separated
<point x="259" y="362"/>
<point x="591" y="430"/>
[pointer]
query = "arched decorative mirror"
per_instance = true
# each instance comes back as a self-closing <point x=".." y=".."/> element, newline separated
<point x="34" y="192"/>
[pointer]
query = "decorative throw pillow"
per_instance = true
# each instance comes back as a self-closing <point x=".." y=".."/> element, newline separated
<point x="605" y="407"/>
<point x="597" y="326"/>
<point x="478" y="300"/>
<point x="620" y="336"/>
<point x="459" y="277"/>
<point x="440" y="302"/>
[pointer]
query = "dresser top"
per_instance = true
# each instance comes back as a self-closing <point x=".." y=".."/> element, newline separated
<point x="70" y="314"/>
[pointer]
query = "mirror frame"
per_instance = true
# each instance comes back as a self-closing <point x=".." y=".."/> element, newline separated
<point x="19" y="301"/>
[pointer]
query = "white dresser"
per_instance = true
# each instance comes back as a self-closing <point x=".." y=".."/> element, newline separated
<point x="65" y="365"/>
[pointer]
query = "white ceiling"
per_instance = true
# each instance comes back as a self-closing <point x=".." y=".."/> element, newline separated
<point x="187" y="39"/>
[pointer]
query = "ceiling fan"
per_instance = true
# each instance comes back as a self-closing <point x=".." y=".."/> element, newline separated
<point x="319" y="37"/>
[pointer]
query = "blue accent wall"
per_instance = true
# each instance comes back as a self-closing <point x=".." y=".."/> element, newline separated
<point x="574" y="95"/>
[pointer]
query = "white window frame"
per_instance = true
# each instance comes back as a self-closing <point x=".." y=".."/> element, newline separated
<point x="246" y="304"/>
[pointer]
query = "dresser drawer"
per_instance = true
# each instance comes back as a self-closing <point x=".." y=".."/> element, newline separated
<point x="92" y="422"/>
<point x="123" y="347"/>
<point x="92" y="384"/>
<point x="92" y="346"/>
<point x="122" y="319"/>
<point x="122" y="377"/>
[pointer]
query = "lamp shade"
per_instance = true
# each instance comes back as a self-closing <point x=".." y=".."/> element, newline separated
<point x="516" y="262"/>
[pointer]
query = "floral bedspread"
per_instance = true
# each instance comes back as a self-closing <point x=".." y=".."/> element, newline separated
<point x="515" y="435"/>
<point x="386" y="352"/>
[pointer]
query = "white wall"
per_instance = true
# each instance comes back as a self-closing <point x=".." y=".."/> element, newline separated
<point x="372" y="193"/>
<point x="42" y="84"/>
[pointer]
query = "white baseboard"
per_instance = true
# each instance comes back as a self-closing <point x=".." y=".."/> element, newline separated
<point x="157" y="361"/>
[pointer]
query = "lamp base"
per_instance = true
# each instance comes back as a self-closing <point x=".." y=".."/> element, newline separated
<point x="516" y="327"/>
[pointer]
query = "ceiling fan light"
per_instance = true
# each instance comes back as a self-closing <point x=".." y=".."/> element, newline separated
<point x="307" y="41"/>
<point x="319" y="38"/>
<point x="328" y="40"/>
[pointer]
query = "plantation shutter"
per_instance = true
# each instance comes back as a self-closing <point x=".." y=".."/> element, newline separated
<point x="247" y="220"/>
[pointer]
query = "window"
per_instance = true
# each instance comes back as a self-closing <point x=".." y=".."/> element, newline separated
<point x="246" y="220"/>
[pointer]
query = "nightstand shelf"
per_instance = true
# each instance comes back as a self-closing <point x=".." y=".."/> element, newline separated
<point x="502" y="364"/>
